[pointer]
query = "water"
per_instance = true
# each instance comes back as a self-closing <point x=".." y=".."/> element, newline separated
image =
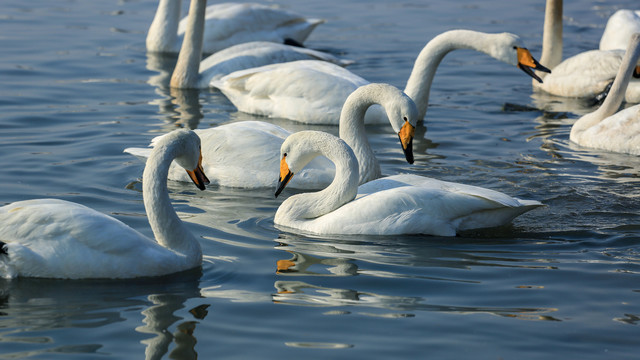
<point x="77" y="88"/>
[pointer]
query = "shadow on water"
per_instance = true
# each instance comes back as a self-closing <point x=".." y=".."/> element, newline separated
<point x="31" y="307"/>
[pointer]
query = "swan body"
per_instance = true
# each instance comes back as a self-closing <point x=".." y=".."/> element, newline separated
<point x="191" y="72"/>
<point x="255" y="54"/>
<point x="400" y="204"/>
<point x="313" y="91"/>
<point x="584" y="75"/>
<point x="244" y="154"/>
<point x="605" y="128"/>
<point x="620" y="26"/>
<point x="227" y="24"/>
<point x="52" y="238"/>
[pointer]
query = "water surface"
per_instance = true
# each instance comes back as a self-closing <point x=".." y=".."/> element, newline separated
<point x="562" y="281"/>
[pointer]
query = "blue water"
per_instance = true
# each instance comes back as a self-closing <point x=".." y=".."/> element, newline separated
<point x="77" y="87"/>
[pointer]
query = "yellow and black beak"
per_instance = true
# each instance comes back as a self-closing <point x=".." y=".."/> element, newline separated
<point x="526" y="63"/>
<point x="198" y="176"/>
<point x="285" y="175"/>
<point x="406" y="135"/>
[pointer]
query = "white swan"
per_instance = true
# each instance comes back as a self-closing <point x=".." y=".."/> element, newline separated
<point x="585" y="75"/>
<point x="53" y="238"/>
<point x="190" y="72"/>
<point x="620" y="26"/>
<point x="604" y="128"/>
<point x="400" y="204"/>
<point x="227" y="24"/>
<point x="244" y="154"/>
<point x="313" y="91"/>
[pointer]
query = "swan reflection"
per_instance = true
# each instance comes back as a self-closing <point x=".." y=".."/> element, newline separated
<point x="30" y="307"/>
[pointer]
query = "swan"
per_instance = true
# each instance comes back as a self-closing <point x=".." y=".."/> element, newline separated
<point x="585" y="75"/>
<point x="227" y="24"/>
<point x="313" y="91"/>
<point x="605" y="128"/>
<point x="191" y="72"/>
<point x="244" y="153"/>
<point x="399" y="204"/>
<point x="52" y="238"/>
<point x="620" y="26"/>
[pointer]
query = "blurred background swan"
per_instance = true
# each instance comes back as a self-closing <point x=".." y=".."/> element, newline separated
<point x="227" y="24"/>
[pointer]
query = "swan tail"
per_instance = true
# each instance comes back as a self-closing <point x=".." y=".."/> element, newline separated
<point x="140" y="153"/>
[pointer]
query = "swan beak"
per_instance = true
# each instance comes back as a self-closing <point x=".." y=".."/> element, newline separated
<point x="526" y="62"/>
<point x="636" y="72"/>
<point x="285" y="175"/>
<point x="198" y="176"/>
<point x="406" y="140"/>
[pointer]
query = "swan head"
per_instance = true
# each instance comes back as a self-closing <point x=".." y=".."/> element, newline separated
<point x="509" y="48"/>
<point x="188" y="154"/>
<point x="298" y="149"/>
<point x="403" y="116"/>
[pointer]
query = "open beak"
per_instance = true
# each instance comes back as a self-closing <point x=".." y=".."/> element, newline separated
<point x="406" y="140"/>
<point x="198" y="176"/>
<point x="526" y="63"/>
<point x="285" y="175"/>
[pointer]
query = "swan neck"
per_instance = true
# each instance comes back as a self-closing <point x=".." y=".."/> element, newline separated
<point x="552" y="36"/>
<point x="168" y="229"/>
<point x="424" y="68"/>
<point x="163" y="32"/>
<point x="352" y="131"/>
<point x="342" y="189"/>
<point x="186" y="73"/>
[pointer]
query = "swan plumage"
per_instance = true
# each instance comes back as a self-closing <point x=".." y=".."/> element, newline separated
<point x="584" y="75"/>
<point x="399" y="204"/>
<point x="227" y="24"/>
<point x="191" y="72"/>
<point x="620" y="26"/>
<point x="313" y="91"/>
<point x="607" y="128"/>
<point x="52" y="238"/>
<point x="244" y="154"/>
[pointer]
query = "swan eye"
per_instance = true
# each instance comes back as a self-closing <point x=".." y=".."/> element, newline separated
<point x="405" y="118"/>
<point x="284" y="155"/>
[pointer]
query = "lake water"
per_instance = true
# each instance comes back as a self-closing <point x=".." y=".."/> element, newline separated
<point x="563" y="281"/>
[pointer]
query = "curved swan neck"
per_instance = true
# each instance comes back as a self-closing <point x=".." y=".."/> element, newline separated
<point x="168" y="229"/>
<point x="551" y="37"/>
<point x="186" y="72"/>
<point x="616" y="94"/>
<point x="352" y="130"/>
<point x="163" y="32"/>
<point x="342" y="189"/>
<point x="424" y="69"/>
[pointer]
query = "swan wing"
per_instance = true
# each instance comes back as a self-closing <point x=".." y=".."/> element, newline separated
<point x="409" y="205"/>
<point x="61" y="239"/>
<point x="584" y="75"/>
<point x="228" y="24"/>
<point x="255" y="54"/>
<point x="619" y="132"/>
<point x="307" y="91"/>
